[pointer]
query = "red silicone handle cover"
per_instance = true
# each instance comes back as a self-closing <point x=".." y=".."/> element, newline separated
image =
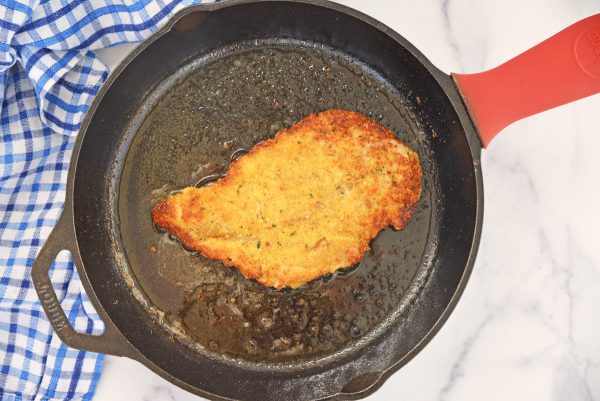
<point x="562" y="69"/>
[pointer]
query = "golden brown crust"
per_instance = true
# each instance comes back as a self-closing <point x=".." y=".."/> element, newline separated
<point x="303" y="204"/>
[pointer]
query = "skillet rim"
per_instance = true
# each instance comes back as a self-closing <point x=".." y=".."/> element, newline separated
<point x="444" y="81"/>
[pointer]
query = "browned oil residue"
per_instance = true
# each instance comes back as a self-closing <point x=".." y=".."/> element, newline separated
<point x="193" y="133"/>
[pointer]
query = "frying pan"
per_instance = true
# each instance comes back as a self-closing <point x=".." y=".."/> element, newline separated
<point x="222" y="77"/>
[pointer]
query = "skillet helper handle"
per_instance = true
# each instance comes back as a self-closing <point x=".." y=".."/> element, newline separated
<point x="61" y="238"/>
<point x="560" y="70"/>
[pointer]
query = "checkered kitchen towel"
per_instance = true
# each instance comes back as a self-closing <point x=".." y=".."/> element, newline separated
<point x="48" y="77"/>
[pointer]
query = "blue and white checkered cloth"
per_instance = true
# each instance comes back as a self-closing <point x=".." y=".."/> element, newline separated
<point x="48" y="77"/>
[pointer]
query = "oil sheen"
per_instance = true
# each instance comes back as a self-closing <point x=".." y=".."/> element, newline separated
<point x="223" y="104"/>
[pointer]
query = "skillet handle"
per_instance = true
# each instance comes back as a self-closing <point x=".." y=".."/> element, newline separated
<point x="562" y="69"/>
<point x="61" y="238"/>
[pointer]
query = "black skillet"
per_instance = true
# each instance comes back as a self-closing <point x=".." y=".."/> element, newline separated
<point x="223" y="77"/>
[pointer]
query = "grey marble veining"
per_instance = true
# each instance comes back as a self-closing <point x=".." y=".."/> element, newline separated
<point x="528" y="325"/>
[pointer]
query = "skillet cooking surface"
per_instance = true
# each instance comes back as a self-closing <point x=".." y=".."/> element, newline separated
<point x="188" y="129"/>
<point x="107" y="202"/>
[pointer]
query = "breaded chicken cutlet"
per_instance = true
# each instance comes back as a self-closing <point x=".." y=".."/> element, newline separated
<point x="303" y="204"/>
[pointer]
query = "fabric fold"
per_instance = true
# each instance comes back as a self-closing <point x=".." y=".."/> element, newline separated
<point x="49" y="76"/>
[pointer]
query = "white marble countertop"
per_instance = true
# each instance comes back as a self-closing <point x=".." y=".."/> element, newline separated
<point x="528" y="324"/>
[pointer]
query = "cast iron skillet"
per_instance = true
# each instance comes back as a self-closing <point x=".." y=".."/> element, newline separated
<point x="228" y="75"/>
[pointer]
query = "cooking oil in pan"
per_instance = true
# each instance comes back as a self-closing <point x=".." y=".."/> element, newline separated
<point x="231" y="100"/>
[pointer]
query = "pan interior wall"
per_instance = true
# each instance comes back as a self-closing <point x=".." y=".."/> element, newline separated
<point x="188" y="128"/>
